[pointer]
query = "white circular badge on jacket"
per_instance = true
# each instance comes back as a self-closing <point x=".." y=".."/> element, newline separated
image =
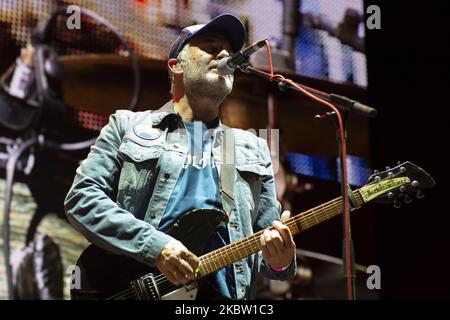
<point x="145" y="131"/>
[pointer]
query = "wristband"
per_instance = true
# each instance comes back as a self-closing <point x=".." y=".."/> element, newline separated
<point x="281" y="269"/>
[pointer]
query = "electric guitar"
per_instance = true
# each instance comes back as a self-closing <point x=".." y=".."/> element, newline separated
<point x="109" y="276"/>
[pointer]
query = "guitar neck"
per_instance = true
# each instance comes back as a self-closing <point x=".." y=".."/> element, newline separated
<point x="233" y="252"/>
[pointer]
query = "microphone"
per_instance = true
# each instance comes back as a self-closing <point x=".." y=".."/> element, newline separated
<point x="357" y="107"/>
<point x="227" y="66"/>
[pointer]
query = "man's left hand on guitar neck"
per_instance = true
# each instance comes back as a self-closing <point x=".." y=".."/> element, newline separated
<point x="277" y="245"/>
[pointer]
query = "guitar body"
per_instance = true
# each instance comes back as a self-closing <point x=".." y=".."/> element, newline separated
<point x="104" y="274"/>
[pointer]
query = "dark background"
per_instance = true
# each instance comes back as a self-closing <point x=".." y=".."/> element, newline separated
<point x="409" y="83"/>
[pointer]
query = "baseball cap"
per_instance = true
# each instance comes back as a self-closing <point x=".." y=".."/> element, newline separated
<point x="227" y="24"/>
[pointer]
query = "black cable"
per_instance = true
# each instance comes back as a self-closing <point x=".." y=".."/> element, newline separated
<point x="41" y="35"/>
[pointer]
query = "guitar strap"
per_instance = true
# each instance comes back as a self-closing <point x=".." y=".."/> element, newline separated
<point x="228" y="170"/>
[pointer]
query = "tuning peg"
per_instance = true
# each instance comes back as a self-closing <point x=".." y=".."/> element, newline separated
<point x="420" y="194"/>
<point x="397" y="204"/>
<point x="388" y="168"/>
<point x="402" y="189"/>
<point x="403" y="170"/>
<point x="376" y="171"/>
<point x="407" y="199"/>
<point x="377" y="178"/>
<point x="415" y="184"/>
<point x="390" y="174"/>
<point x="399" y="162"/>
<point x="390" y="195"/>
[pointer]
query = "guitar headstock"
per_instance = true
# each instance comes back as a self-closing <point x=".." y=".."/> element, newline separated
<point x="397" y="185"/>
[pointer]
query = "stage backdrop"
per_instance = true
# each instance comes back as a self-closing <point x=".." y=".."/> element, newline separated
<point x="318" y="55"/>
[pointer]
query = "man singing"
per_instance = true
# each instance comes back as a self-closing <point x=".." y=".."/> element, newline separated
<point x="149" y="168"/>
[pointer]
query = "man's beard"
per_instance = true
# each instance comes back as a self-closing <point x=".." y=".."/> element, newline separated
<point x="203" y="80"/>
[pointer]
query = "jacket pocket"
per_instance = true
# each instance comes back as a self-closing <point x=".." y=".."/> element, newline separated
<point x="137" y="151"/>
<point x="257" y="169"/>
<point x="248" y="186"/>
<point x="138" y="167"/>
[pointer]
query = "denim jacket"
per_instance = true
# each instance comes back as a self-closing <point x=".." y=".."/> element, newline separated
<point x="122" y="188"/>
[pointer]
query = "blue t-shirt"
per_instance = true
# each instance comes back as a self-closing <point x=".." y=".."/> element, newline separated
<point x="198" y="187"/>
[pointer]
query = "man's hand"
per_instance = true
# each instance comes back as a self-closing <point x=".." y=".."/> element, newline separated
<point x="277" y="245"/>
<point x="177" y="263"/>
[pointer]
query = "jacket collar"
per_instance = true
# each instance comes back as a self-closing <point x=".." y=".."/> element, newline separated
<point x="167" y="110"/>
<point x="163" y="112"/>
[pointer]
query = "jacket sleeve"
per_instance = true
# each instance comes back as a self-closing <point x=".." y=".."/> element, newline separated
<point x="90" y="204"/>
<point x="269" y="210"/>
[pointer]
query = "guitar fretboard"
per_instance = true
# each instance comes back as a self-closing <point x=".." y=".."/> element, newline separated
<point x="233" y="252"/>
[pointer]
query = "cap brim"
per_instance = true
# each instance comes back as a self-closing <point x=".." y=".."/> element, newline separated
<point x="230" y="26"/>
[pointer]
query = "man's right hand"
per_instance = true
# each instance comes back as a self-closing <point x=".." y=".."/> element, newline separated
<point x="177" y="263"/>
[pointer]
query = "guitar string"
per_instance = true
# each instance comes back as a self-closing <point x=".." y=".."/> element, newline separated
<point x="309" y="215"/>
<point x="121" y="294"/>
<point x="132" y="296"/>
<point x="324" y="211"/>
<point x="210" y="257"/>
<point x="129" y="296"/>
<point x="255" y="237"/>
<point x="313" y="216"/>
<point x="164" y="284"/>
<point x="321" y="212"/>
<point x="254" y="242"/>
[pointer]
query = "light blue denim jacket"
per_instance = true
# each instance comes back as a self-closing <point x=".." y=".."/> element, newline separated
<point x="122" y="188"/>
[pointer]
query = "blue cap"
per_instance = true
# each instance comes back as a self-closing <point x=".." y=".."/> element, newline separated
<point x="227" y="24"/>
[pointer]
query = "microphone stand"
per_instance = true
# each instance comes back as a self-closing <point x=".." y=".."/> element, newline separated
<point x="341" y="102"/>
<point x="346" y="105"/>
